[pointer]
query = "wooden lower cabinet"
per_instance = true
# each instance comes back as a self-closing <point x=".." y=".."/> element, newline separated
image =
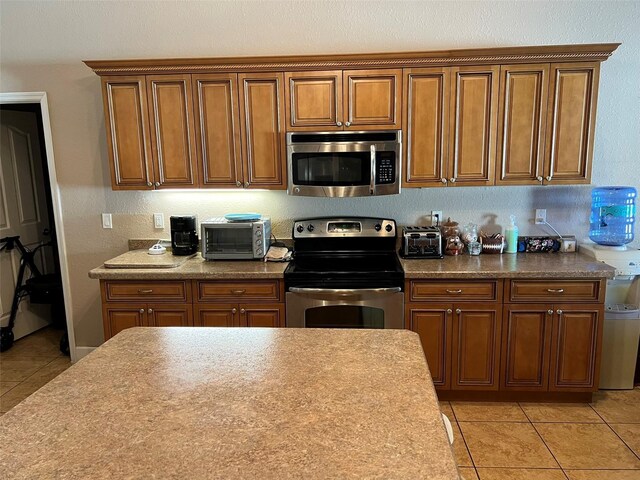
<point x="169" y="315"/>
<point x="118" y="317"/>
<point x="268" y="315"/>
<point x="239" y="315"/>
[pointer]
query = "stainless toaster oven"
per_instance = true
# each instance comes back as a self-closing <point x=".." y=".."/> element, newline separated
<point x="226" y="240"/>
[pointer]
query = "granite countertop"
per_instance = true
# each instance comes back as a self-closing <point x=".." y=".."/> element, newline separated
<point x="235" y="403"/>
<point x="521" y="265"/>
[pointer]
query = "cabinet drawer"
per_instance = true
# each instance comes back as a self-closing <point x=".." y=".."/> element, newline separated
<point x="212" y="291"/>
<point x="155" y="291"/>
<point x="550" y="291"/>
<point x="453" y="291"/>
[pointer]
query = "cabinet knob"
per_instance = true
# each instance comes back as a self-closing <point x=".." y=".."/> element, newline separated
<point x="347" y="124"/>
<point x="234" y="310"/>
<point x="458" y="311"/>
<point x="238" y="183"/>
<point x="449" y="311"/>
<point x="443" y="180"/>
<point x="539" y="178"/>
<point x="157" y="184"/>
<point x="452" y="179"/>
<point x="246" y="184"/>
<point x="150" y="310"/>
<point x="149" y="184"/>
<point x="559" y="312"/>
<point x="339" y="124"/>
<point x="142" y="310"/>
<point x="550" y="312"/>
<point x="242" y="310"/>
<point x="548" y="179"/>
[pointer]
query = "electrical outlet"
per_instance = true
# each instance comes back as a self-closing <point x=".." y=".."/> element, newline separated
<point x="158" y="220"/>
<point x="436" y="217"/>
<point x="107" y="221"/>
<point x="541" y="216"/>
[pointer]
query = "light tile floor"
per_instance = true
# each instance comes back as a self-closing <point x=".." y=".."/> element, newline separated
<point x="30" y="363"/>
<point x="492" y="441"/>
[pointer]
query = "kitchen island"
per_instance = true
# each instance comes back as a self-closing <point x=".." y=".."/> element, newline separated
<point x="235" y="403"/>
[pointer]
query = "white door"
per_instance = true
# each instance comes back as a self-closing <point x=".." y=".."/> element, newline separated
<point x="22" y="212"/>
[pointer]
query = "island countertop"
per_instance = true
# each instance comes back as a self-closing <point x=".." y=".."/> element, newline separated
<point x="235" y="403"/>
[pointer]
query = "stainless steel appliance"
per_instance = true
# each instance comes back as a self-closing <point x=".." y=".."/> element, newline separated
<point x="345" y="274"/>
<point x="184" y="234"/>
<point x="344" y="164"/>
<point x="242" y="240"/>
<point x="421" y="242"/>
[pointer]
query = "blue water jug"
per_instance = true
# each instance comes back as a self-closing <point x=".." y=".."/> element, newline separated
<point x="613" y="212"/>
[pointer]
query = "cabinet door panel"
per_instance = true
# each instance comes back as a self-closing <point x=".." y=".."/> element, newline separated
<point x="571" y="122"/>
<point x="476" y="347"/>
<point x="521" y="124"/>
<point x="217" y="129"/>
<point x="127" y="124"/>
<point x="575" y="348"/>
<point x="172" y="133"/>
<point x="474" y="108"/>
<point x="170" y="315"/>
<point x="433" y="324"/>
<point x="119" y="318"/>
<point x="314" y="99"/>
<point x="373" y="99"/>
<point x="427" y="126"/>
<point x="261" y="113"/>
<point x="525" y="347"/>
<point x="217" y="315"/>
<point x="254" y="315"/>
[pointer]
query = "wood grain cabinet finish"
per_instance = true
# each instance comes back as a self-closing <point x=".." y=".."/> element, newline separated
<point x="262" y="117"/>
<point x="240" y="315"/>
<point x="571" y="117"/>
<point x="570" y="290"/>
<point x="314" y="100"/>
<point x="127" y="124"/>
<point x="454" y="290"/>
<point x="238" y="290"/>
<point x="476" y="347"/>
<point x="433" y="323"/>
<point x="120" y="317"/>
<point x="266" y="315"/>
<point x="218" y="130"/>
<point x="161" y="315"/>
<point x="216" y="315"/>
<point x="526" y="343"/>
<point x="172" y="131"/>
<point x="426" y="119"/>
<point x="521" y="124"/>
<point x="174" y="291"/>
<point x="472" y="130"/>
<point x="576" y="344"/>
<point x="373" y="99"/>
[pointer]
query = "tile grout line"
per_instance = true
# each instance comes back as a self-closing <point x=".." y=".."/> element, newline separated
<point x="464" y="440"/>
<point x="614" y="432"/>
<point x="547" y="446"/>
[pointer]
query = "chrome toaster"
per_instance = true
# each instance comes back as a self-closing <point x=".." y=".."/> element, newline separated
<point x="421" y="242"/>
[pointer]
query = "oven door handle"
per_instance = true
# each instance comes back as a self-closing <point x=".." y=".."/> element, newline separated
<point x="345" y="291"/>
<point x="372" y="182"/>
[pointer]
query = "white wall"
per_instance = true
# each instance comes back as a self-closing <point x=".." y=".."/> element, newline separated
<point x="42" y="45"/>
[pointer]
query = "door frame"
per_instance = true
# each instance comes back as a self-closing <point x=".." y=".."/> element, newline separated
<point x="41" y="99"/>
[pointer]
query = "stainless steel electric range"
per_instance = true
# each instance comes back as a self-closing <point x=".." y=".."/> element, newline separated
<point x="345" y="274"/>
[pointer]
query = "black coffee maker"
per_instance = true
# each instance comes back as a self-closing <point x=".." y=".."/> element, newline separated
<point x="184" y="235"/>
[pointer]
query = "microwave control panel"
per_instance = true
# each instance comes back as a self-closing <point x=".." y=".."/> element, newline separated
<point x="385" y="168"/>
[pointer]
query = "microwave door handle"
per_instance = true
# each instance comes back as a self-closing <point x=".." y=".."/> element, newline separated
<point x="372" y="183"/>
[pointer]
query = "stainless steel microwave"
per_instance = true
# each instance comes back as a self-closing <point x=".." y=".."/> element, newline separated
<point x="344" y="164"/>
<point x="225" y="240"/>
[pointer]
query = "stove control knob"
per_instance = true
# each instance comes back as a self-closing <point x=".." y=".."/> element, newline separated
<point x="389" y="227"/>
<point x="378" y="227"/>
<point x="258" y="242"/>
<point x="310" y="228"/>
<point x="300" y="228"/>
<point x="259" y="252"/>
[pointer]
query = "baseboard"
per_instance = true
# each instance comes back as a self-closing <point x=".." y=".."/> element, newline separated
<point x="82" y="352"/>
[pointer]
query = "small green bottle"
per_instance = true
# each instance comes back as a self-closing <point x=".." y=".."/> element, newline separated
<point x="511" y="236"/>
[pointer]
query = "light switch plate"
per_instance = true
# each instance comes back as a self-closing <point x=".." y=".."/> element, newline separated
<point x="158" y="220"/>
<point x="107" y="221"/>
<point x="436" y="217"/>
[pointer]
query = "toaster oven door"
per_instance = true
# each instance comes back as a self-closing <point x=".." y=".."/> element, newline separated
<point x="228" y="242"/>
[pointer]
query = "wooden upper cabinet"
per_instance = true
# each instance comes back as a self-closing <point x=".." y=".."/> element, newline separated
<point x="372" y="99"/>
<point x="217" y="130"/>
<point x="571" y="122"/>
<point x="314" y="100"/>
<point x="127" y="124"/>
<point x="426" y="121"/>
<point x="261" y="116"/>
<point x="474" y="109"/>
<point x="172" y="131"/>
<point x="521" y="124"/>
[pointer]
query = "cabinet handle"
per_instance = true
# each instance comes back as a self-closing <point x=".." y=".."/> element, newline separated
<point x="539" y="178"/>
<point x="339" y="124"/>
<point x="458" y="311"/>
<point x="347" y="124"/>
<point x="142" y="310"/>
<point x="548" y="179"/>
<point x="242" y="310"/>
<point x="454" y="291"/>
<point x="443" y="180"/>
<point x="559" y="312"/>
<point x="238" y="183"/>
<point x="452" y="179"/>
<point x="246" y="184"/>
<point x="555" y="290"/>
<point x="157" y="184"/>
<point x="550" y="312"/>
<point x="150" y="311"/>
<point x="238" y="292"/>
<point x="234" y="310"/>
<point x="147" y="290"/>
<point x="449" y="311"/>
<point x="149" y="184"/>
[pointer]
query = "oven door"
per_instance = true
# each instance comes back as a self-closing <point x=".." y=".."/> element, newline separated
<point x="343" y="169"/>
<point x="345" y="308"/>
